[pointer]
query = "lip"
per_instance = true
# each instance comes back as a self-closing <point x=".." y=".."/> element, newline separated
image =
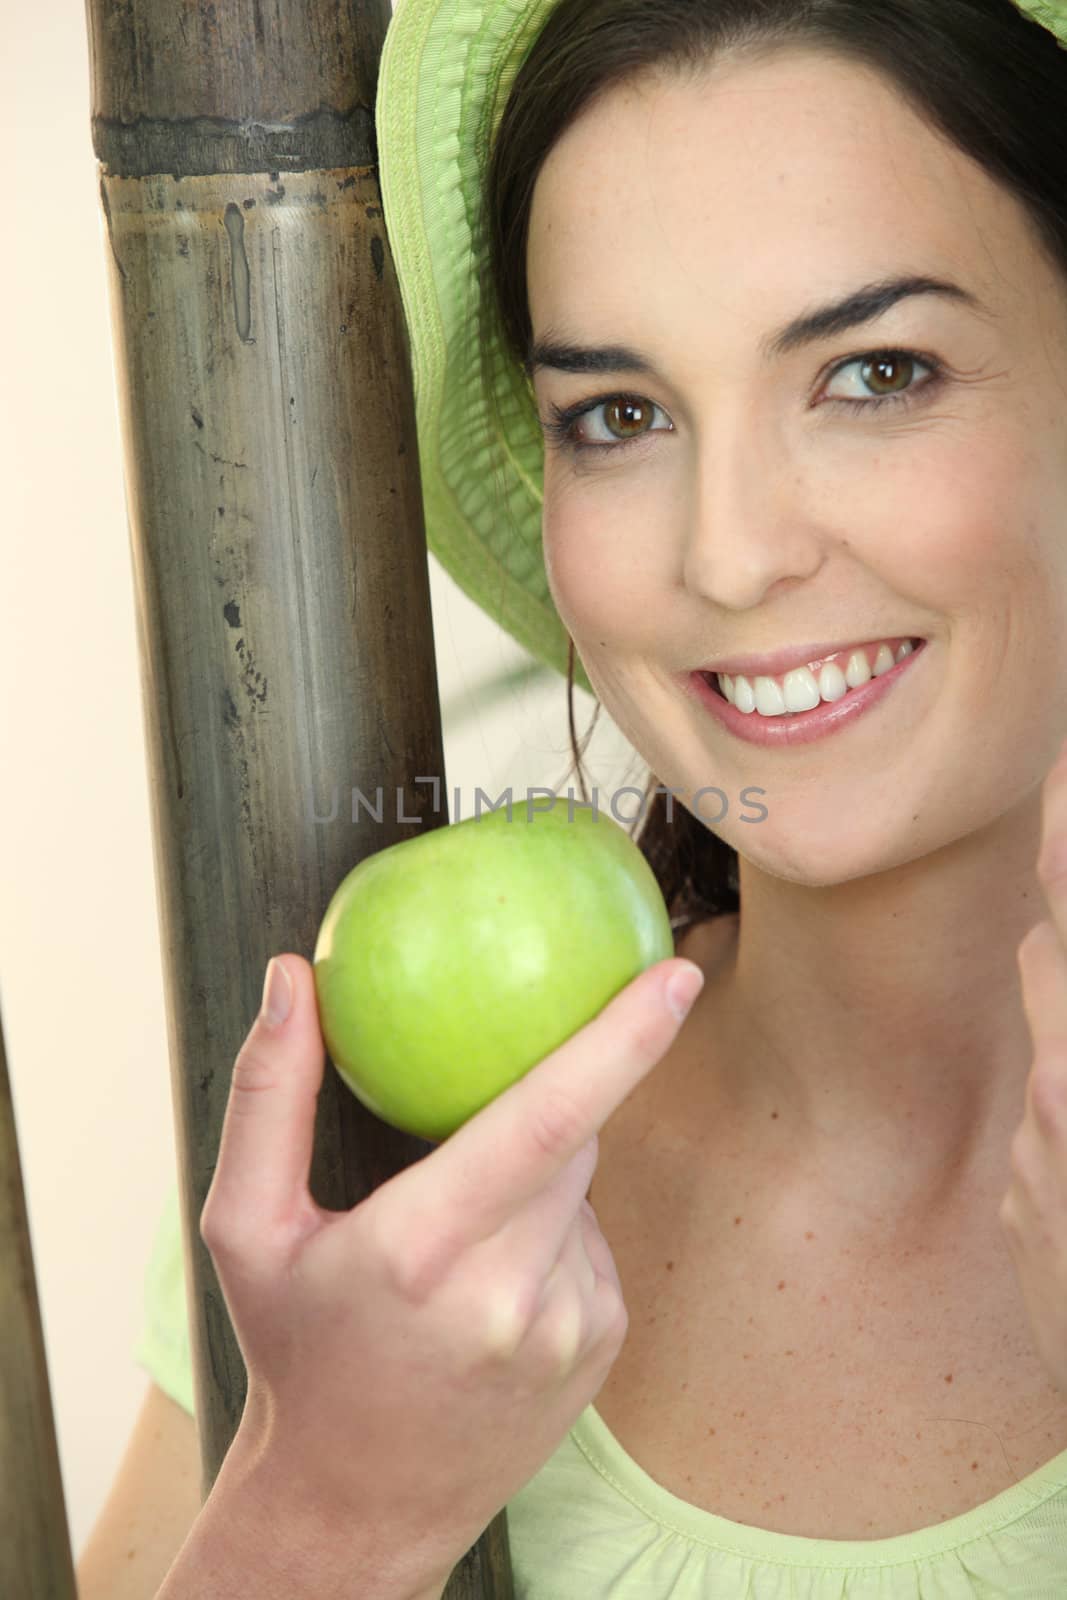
<point x="779" y="662"/>
<point x="802" y="727"/>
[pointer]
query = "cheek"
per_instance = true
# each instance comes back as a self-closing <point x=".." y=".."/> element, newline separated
<point x="964" y="523"/>
<point x="983" y="548"/>
<point x="984" y="533"/>
<point x="603" y="565"/>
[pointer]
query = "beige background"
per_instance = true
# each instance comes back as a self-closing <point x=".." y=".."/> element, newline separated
<point x="80" y="973"/>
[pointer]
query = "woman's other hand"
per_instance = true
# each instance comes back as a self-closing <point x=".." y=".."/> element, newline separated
<point x="1034" y="1210"/>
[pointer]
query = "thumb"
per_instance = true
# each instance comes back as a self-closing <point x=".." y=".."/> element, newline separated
<point x="260" y="1181"/>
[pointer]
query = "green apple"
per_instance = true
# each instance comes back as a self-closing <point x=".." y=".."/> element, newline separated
<point x="449" y="964"/>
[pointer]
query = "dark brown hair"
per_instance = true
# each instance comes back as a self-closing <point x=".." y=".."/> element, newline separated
<point x="979" y="72"/>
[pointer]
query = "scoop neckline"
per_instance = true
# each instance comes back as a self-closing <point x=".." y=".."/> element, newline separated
<point x="604" y="1452"/>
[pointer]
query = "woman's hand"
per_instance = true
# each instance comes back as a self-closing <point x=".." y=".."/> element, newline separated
<point x="414" y="1361"/>
<point x="1034" y="1210"/>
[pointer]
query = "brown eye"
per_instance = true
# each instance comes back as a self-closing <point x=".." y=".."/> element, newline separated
<point x="886" y="370"/>
<point x="883" y="377"/>
<point x="607" y="424"/>
<point x="629" y="415"/>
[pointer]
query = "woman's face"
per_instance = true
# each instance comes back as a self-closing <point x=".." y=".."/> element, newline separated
<point x="749" y="512"/>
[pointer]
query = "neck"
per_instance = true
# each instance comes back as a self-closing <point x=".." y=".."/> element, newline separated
<point x="874" y="1030"/>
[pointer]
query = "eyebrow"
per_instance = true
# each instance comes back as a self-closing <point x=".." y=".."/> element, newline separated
<point x="862" y="305"/>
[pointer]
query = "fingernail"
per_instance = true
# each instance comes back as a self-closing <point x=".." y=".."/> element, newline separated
<point x="277" y="993"/>
<point x="683" y="988"/>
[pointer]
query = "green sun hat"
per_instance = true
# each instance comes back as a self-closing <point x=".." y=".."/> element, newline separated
<point x="445" y="72"/>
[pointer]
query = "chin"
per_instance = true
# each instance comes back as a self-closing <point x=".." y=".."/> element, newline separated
<point x="823" y="863"/>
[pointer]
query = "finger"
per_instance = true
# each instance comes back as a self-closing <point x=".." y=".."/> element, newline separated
<point x="498" y="1161"/>
<point x="524" y="1260"/>
<point x="579" y="1303"/>
<point x="536" y="1236"/>
<point x="1042" y="960"/>
<point x="598" y="1250"/>
<point x="539" y="1233"/>
<point x="261" y="1177"/>
<point x="570" y="1316"/>
<point x="1052" y="854"/>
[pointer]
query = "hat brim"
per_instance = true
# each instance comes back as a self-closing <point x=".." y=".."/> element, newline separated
<point x="445" y="70"/>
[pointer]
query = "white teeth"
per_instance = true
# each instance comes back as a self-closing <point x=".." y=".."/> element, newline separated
<point x="770" y="701"/>
<point x="799" y="690"/>
<point x="858" y="671"/>
<point x="833" y="683"/>
<point x="740" y="691"/>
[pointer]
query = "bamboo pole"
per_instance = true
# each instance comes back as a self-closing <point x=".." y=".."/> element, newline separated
<point x="35" y="1553"/>
<point x="278" y="549"/>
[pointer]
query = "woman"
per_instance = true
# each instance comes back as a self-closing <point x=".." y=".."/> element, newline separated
<point x="785" y="287"/>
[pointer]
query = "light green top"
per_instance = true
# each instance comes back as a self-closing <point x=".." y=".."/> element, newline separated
<point x="592" y="1524"/>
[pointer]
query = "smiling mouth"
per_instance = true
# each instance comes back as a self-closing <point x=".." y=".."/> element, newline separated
<point x="712" y="678"/>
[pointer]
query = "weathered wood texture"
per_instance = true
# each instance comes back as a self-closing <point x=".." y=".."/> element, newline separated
<point x="35" y="1553"/>
<point x="278" y="548"/>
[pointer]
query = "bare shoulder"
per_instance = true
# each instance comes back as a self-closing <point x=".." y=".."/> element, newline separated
<point x="152" y="1504"/>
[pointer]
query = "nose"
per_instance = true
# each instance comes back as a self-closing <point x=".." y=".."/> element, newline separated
<point x="749" y="527"/>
